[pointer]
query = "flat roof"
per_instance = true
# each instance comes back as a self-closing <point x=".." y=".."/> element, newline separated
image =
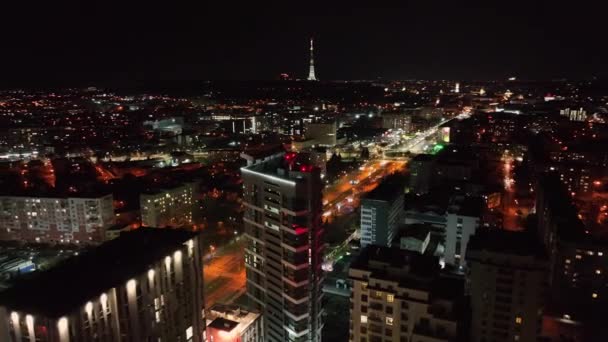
<point x="223" y="324"/>
<point x="77" y="280"/>
<point x="507" y="242"/>
<point x="389" y="189"/>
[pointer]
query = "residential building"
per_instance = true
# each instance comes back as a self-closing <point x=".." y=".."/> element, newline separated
<point x="167" y="207"/>
<point x="381" y="214"/>
<point x="145" y="285"/>
<point x="507" y="277"/>
<point x="421" y="173"/>
<point x="56" y="219"/>
<point x="402" y="121"/>
<point x="399" y="295"/>
<point x="231" y="323"/>
<point x="578" y="257"/>
<point x="574" y="114"/>
<point x="284" y="251"/>
<point x="322" y="133"/>
<point x="463" y="218"/>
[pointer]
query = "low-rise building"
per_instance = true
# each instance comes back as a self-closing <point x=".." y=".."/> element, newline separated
<point x="231" y="323"/>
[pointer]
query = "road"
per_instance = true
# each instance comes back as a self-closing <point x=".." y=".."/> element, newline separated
<point x="224" y="274"/>
<point x="348" y="189"/>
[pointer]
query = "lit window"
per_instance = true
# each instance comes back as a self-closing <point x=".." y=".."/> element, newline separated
<point x="518" y="320"/>
<point x="390" y="298"/>
<point x="567" y="261"/>
<point x="578" y="256"/>
<point x="598" y="271"/>
<point x="389" y="320"/>
<point x="189" y="333"/>
<point x="364" y="286"/>
<point x="363" y="318"/>
<point x="600" y="253"/>
<point x="378" y="294"/>
<point x="594" y="295"/>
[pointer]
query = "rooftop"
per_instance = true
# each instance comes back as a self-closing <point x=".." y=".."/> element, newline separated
<point x="392" y="263"/>
<point x="223" y="324"/>
<point x="389" y="189"/>
<point x="72" y="283"/>
<point x="410" y="269"/>
<point x="418" y="231"/>
<point x="286" y="166"/>
<point x="423" y="157"/>
<point x="471" y="206"/>
<point x="507" y="242"/>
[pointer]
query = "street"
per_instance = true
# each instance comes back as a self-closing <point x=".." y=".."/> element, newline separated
<point x="224" y="274"/>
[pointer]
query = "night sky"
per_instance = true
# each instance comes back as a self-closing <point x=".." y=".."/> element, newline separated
<point x="52" y="43"/>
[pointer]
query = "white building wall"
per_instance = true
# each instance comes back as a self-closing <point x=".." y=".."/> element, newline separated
<point x="458" y="231"/>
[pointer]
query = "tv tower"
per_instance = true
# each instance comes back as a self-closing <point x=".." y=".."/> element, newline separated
<point x="311" y="71"/>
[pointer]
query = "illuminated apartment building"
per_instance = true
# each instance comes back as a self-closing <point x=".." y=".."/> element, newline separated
<point x="145" y="285"/>
<point x="507" y="281"/>
<point x="400" y="295"/>
<point x="56" y="219"/>
<point x="167" y="207"/>
<point x="283" y="256"/>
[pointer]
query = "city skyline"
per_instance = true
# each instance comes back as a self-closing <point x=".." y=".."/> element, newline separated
<point x="58" y="44"/>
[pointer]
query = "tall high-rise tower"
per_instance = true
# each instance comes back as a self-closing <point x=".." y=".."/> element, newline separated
<point x="284" y="250"/>
<point x="311" y="71"/>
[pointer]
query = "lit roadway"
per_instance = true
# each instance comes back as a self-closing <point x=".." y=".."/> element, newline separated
<point x="224" y="274"/>
<point x="413" y="144"/>
<point x="344" y="193"/>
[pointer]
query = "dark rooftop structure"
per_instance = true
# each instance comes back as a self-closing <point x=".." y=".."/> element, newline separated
<point x="417" y="230"/>
<point x="467" y="206"/>
<point x="385" y="262"/>
<point x="72" y="283"/>
<point x="389" y="189"/>
<point x="223" y="324"/>
<point x="423" y="158"/>
<point x="507" y="242"/>
<point x="410" y="269"/>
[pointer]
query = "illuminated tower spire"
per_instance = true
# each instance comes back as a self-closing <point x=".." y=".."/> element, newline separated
<point x="311" y="71"/>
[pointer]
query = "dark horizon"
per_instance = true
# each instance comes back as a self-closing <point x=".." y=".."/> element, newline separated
<point x="60" y="45"/>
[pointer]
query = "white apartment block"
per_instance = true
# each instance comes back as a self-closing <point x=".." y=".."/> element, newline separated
<point x="167" y="207"/>
<point x="56" y="219"/>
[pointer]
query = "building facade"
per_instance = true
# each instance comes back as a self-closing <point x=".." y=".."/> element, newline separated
<point x="322" y="133"/>
<point x="56" y="219"/>
<point x="460" y="227"/>
<point x="167" y="207"/>
<point x="396" y="121"/>
<point x="578" y="260"/>
<point x="381" y="214"/>
<point x="399" y="295"/>
<point x="284" y="251"/>
<point x="145" y="285"/>
<point x="507" y="285"/>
